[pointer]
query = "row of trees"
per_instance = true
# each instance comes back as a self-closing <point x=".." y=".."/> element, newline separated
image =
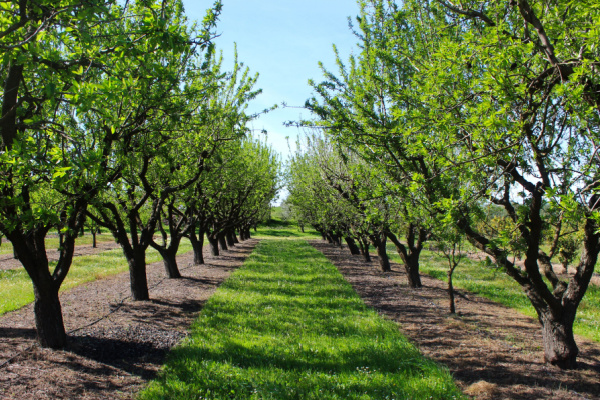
<point x="478" y="118"/>
<point x="121" y="114"/>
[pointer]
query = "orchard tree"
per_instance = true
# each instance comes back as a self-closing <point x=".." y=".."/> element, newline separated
<point x="50" y="167"/>
<point x="516" y="101"/>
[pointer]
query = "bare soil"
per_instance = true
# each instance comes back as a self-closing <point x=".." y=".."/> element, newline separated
<point x="492" y="351"/>
<point x="115" y="345"/>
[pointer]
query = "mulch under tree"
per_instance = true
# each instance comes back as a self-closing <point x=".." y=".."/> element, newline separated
<point x="115" y="345"/>
<point x="492" y="351"/>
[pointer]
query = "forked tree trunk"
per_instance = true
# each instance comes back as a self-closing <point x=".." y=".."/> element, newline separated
<point x="410" y="253"/>
<point x="354" y="249"/>
<point x="214" y="245"/>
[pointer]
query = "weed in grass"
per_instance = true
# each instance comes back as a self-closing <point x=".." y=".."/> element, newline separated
<point x="288" y="326"/>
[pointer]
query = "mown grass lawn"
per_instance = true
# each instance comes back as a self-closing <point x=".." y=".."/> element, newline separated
<point x="492" y="283"/>
<point x="288" y="326"/>
<point x="16" y="289"/>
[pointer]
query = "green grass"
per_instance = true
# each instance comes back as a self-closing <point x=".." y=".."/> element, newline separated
<point x="16" y="289"/>
<point x="52" y="242"/>
<point x="494" y="284"/>
<point x="276" y="228"/>
<point x="288" y="326"/>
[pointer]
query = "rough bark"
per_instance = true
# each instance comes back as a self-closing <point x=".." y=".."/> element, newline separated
<point x="560" y="348"/>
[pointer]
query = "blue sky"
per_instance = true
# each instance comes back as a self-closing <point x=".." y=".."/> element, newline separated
<point x="283" y="41"/>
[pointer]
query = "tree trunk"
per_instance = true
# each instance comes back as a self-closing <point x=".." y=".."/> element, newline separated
<point x="170" y="262"/>
<point x="378" y="241"/>
<point x="560" y="348"/>
<point x="229" y="239"/>
<point x="222" y="241"/>
<point x="94" y="238"/>
<point x="48" y="316"/>
<point x="451" y="292"/>
<point x="197" y="244"/>
<point x="364" y="249"/>
<point x="354" y="249"/>
<point x="234" y="237"/>
<point x="138" y="281"/>
<point x="214" y="245"/>
<point x="411" y="266"/>
<point x="384" y="261"/>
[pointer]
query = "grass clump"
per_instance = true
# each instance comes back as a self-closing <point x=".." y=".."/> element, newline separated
<point x="288" y="326"/>
<point x="492" y="283"/>
<point x="16" y="289"/>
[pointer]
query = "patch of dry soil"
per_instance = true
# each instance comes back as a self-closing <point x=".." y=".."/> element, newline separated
<point x="492" y="351"/>
<point x="115" y="344"/>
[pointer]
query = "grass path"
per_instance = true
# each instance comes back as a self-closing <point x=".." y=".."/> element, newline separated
<point x="288" y="326"/>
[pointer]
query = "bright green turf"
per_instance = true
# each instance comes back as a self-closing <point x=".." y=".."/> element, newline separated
<point x="288" y="326"/>
<point x="16" y="289"/>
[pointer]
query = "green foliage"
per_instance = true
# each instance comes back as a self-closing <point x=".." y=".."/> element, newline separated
<point x="288" y="326"/>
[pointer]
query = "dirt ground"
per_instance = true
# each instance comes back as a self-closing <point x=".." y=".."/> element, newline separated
<point x="115" y="344"/>
<point x="492" y="351"/>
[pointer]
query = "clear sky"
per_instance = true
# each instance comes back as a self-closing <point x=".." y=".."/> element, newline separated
<point x="282" y="40"/>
